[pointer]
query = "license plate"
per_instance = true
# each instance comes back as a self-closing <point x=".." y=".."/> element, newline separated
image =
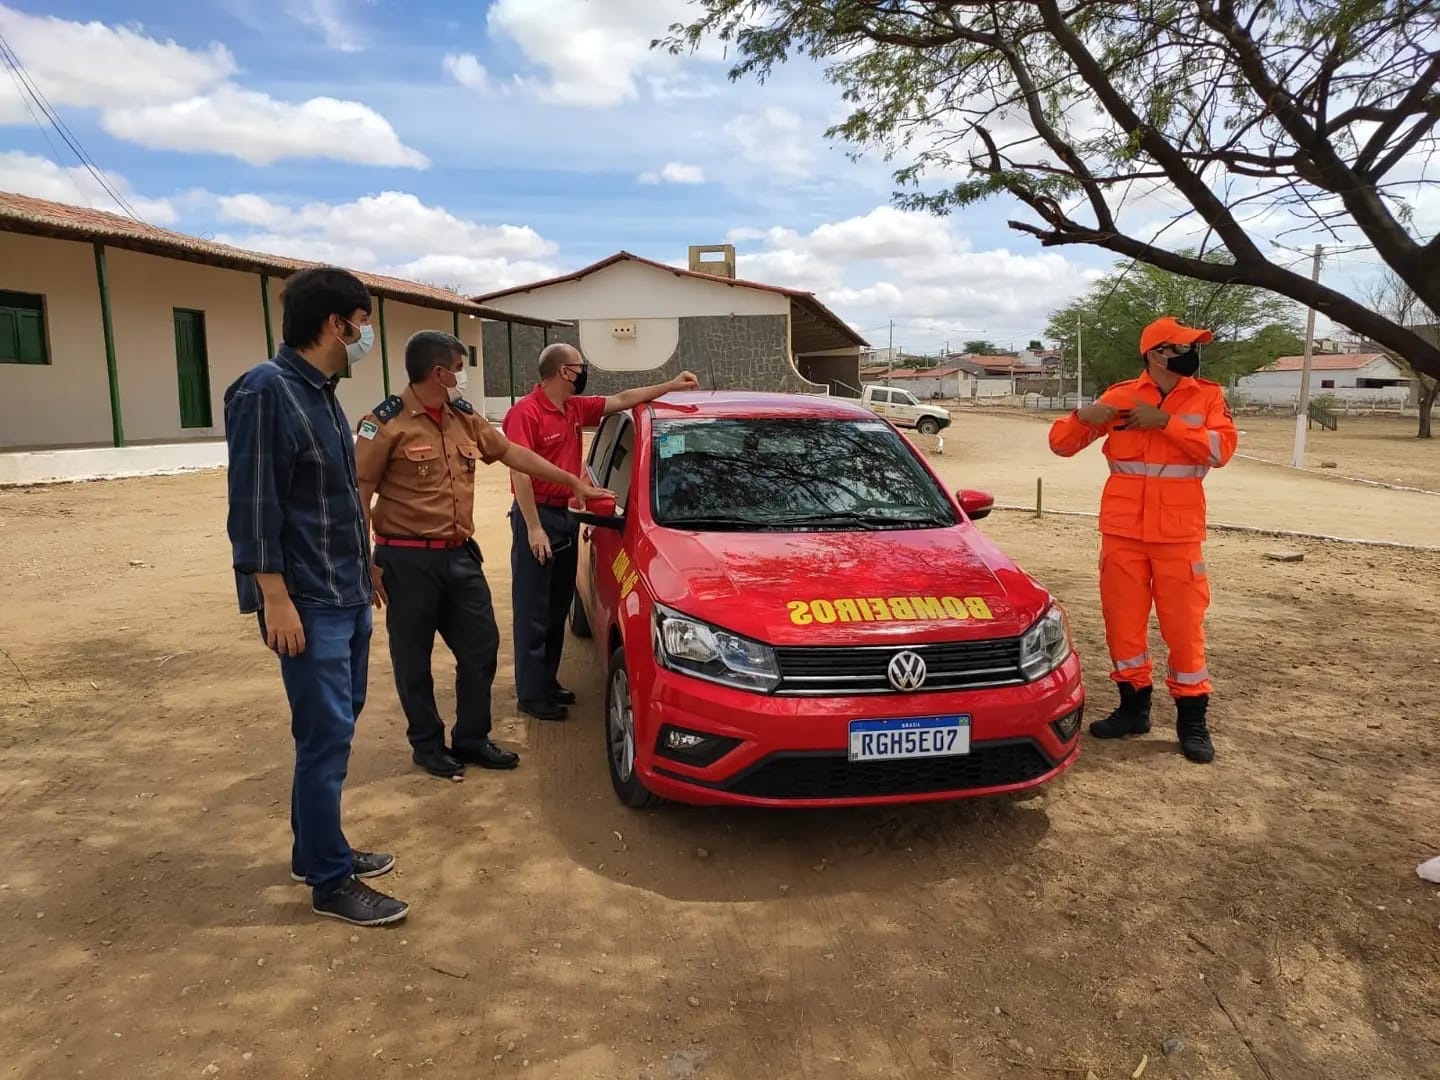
<point x="917" y="737"/>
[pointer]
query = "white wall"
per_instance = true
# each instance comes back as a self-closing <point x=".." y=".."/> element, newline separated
<point x="631" y="290"/>
<point x="654" y="343"/>
<point x="66" y="402"/>
<point x="1283" y="387"/>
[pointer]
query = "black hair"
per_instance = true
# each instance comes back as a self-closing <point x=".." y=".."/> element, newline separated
<point x="429" y="349"/>
<point x="312" y="296"/>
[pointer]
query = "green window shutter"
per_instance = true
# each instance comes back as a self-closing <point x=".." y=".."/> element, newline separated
<point x="30" y="326"/>
<point x="9" y="336"/>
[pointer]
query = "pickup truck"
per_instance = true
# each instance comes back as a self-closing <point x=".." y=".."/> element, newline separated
<point x="903" y="409"/>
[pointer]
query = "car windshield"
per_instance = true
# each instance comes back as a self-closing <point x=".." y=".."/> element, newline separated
<point x="791" y="474"/>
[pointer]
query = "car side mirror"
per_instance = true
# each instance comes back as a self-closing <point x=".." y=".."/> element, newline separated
<point x="976" y="504"/>
<point x="601" y="521"/>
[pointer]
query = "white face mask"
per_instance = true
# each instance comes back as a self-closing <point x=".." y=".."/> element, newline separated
<point x="355" y="350"/>
<point x="462" y="380"/>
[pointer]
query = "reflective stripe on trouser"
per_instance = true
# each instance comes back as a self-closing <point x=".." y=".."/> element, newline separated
<point x="1172" y="577"/>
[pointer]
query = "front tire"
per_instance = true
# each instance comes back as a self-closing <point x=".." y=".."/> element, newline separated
<point x="928" y="426"/>
<point x="579" y="624"/>
<point x="620" y="739"/>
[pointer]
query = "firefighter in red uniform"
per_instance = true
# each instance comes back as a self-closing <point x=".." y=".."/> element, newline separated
<point x="1163" y="432"/>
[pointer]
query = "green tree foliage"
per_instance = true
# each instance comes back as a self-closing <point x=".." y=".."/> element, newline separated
<point x="980" y="348"/>
<point x="1224" y="116"/>
<point x="1252" y="327"/>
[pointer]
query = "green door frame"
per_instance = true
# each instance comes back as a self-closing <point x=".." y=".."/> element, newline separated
<point x="265" y="306"/>
<point x="207" y="418"/>
<point x="384" y="351"/>
<point x="117" y="424"/>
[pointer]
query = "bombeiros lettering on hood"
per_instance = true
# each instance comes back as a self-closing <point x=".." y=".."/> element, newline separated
<point x="853" y="609"/>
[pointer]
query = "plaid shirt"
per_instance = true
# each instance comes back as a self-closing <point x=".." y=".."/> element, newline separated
<point x="294" y="500"/>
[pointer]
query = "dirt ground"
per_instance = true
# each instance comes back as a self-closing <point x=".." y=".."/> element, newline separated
<point x="1379" y="448"/>
<point x="1245" y="492"/>
<point x="1263" y="912"/>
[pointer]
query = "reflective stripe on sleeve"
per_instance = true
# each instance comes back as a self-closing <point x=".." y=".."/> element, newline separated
<point x="1214" y="448"/>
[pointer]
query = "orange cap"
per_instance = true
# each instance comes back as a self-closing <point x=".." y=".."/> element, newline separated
<point x="1168" y="330"/>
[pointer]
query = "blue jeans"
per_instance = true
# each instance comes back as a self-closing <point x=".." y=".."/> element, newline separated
<point x="326" y="688"/>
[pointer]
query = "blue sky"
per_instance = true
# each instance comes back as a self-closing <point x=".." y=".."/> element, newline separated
<point x="490" y="144"/>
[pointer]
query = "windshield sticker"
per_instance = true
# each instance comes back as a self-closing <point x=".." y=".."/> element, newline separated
<point x="888" y="609"/>
<point x="625" y="573"/>
<point x="670" y="445"/>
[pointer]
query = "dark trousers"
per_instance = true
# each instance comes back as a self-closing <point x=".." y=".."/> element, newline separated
<point x="326" y="688"/>
<point x="430" y="590"/>
<point x="540" y="601"/>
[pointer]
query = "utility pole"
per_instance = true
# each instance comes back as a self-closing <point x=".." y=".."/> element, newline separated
<point x="1302" y="413"/>
<point x="890" y="355"/>
<point x="1079" y="362"/>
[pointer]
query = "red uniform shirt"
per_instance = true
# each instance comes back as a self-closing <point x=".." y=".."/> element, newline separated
<point x="537" y="423"/>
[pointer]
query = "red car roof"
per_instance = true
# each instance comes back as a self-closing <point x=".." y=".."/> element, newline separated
<point x="735" y="404"/>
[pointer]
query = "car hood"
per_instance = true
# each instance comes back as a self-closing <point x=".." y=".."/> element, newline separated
<point x="871" y="587"/>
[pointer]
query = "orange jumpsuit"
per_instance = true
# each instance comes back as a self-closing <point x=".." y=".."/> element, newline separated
<point x="1152" y="524"/>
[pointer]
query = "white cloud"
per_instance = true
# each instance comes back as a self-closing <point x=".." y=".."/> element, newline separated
<point x="593" y="53"/>
<point x="43" y="179"/>
<point x="466" y="70"/>
<point x="917" y="269"/>
<point x="392" y="233"/>
<point x="91" y="65"/>
<point x="163" y="95"/>
<point x="391" y="223"/>
<point x="339" y="25"/>
<point x="256" y="128"/>
<point x="773" y="138"/>
<point x="675" y="172"/>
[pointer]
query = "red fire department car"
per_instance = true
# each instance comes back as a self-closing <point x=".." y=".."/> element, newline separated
<point x="792" y="610"/>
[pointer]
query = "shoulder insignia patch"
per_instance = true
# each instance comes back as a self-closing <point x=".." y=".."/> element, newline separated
<point x="368" y="428"/>
<point x="461" y="405"/>
<point x="388" y="409"/>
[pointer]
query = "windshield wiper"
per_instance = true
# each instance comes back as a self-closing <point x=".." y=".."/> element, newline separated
<point x="686" y="521"/>
<point x="860" y="517"/>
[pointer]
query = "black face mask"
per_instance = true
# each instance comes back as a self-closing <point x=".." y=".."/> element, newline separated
<point x="1187" y="363"/>
<point x="581" y="379"/>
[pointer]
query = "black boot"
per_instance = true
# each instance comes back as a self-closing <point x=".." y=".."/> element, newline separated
<point x="1195" y="741"/>
<point x="1131" y="718"/>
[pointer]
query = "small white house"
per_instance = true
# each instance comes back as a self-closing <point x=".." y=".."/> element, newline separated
<point x="638" y="321"/>
<point x="1350" y="377"/>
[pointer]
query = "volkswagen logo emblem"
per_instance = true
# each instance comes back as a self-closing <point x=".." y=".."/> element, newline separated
<point x="906" y="671"/>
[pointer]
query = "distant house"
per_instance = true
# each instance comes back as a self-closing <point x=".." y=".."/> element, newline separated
<point x="641" y="321"/>
<point x="1350" y="377"/>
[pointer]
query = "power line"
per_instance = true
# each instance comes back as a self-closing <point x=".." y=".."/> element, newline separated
<point x="30" y="92"/>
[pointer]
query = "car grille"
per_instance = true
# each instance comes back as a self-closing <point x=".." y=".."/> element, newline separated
<point x="834" y="776"/>
<point x="952" y="665"/>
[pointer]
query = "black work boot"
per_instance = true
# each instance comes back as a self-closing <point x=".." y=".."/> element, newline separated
<point x="1195" y="741"/>
<point x="1131" y="718"/>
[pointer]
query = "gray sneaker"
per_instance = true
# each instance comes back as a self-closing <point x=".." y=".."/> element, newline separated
<point x="354" y="902"/>
<point x="368" y="864"/>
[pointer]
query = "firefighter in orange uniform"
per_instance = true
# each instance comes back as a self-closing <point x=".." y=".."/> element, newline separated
<point x="1163" y="432"/>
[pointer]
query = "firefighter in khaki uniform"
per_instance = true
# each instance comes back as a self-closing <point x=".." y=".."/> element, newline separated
<point x="415" y="457"/>
<point x="1163" y="432"/>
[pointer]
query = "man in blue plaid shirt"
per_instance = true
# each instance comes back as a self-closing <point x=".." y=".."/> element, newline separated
<point x="302" y="563"/>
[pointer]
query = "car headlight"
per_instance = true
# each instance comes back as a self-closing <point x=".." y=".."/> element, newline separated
<point x="1046" y="645"/>
<point x="696" y="648"/>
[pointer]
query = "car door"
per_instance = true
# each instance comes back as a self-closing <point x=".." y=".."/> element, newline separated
<point x="880" y="402"/>
<point x="904" y="408"/>
<point x="596" y="462"/>
<point x="611" y="559"/>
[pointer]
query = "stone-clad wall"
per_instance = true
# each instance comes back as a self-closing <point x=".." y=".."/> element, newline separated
<point x="726" y="352"/>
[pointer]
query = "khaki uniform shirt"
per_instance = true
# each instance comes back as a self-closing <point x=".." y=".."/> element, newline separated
<point x="423" y="473"/>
